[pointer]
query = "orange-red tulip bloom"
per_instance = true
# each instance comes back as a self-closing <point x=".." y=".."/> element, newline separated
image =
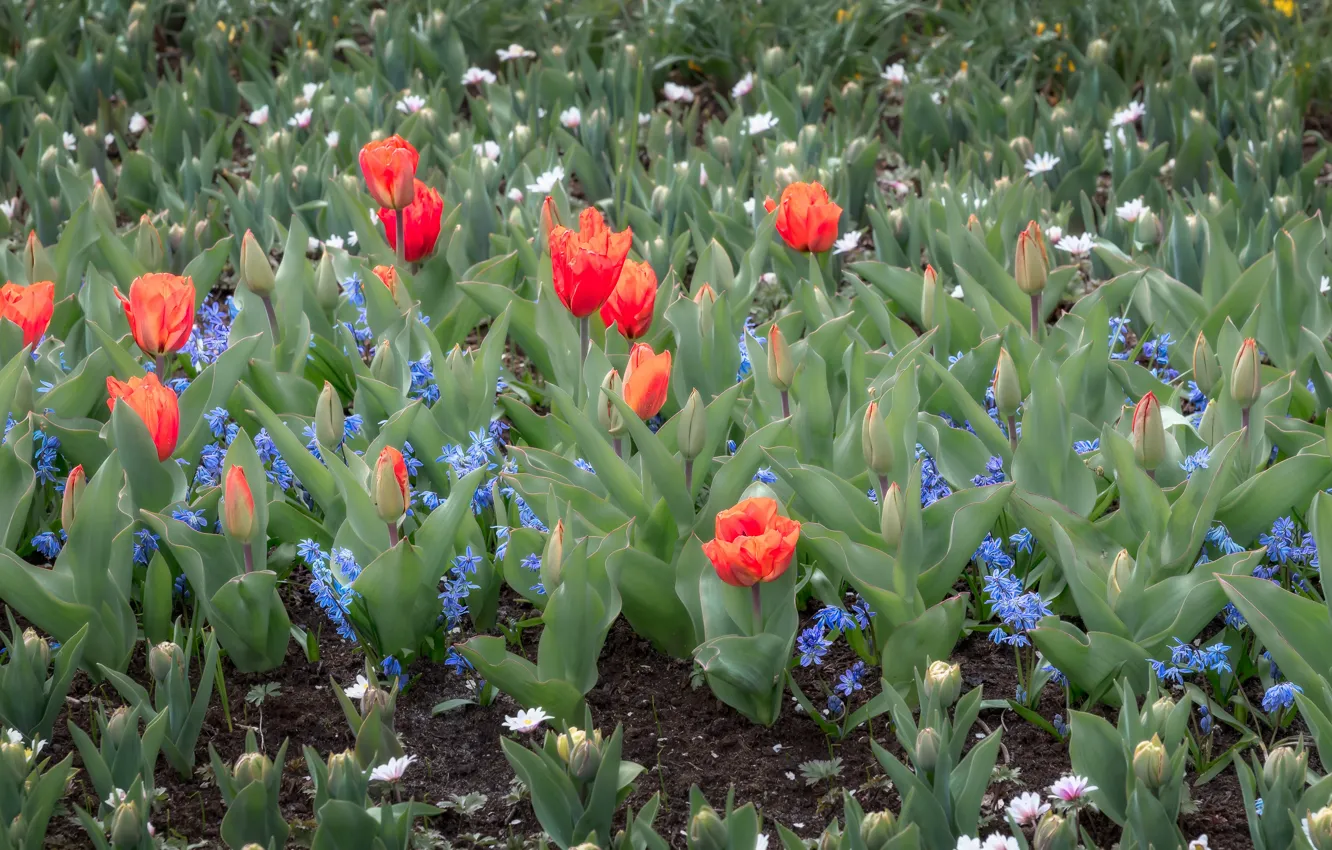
<point x="392" y="489"/>
<point x="586" y="262"/>
<point x="389" y="170"/>
<point x="29" y="307"/>
<point x="238" y="504"/>
<point x="388" y="275"/>
<point x="156" y="406"/>
<point x="420" y="221"/>
<point x="630" y="305"/>
<point x="646" y="380"/>
<point x="753" y="543"/>
<point x="806" y="218"/>
<point x="160" y="309"/>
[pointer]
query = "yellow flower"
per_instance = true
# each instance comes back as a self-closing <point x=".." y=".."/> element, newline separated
<point x="1071" y="66"/>
<point x="843" y="15"/>
<point x="221" y="26"/>
<point x="963" y="66"/>
<point x="1285" y="7"/>
<point x="1059" y="29"/>
<point x="1040" y="27"/>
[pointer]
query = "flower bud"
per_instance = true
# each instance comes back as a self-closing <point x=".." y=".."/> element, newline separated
<point x="567" y="741"/>
<point x="119" y="725"/>
<point x="1007" y="386"/>
<point x="1031" y="263"/>
<point x="329" y="418"/>
<point x="383" y="367"/>
<point x="1206" y="369"/>
<point x="892" y="516"/>
<point x="14" y="755"/>
<point x="831" y="839"/>
<point x="692" y="432"/>
<point x="1120" y="577"/>
<point x="607" y="413"/>
<point x="346" y="780"/>
<point x="781" y="369"/>
<point x="1285" y="768"/>
<point x="237" y="505"/>
<point x="102" y="207"/>
<point x="1054" y="832"/>
<point x="927" y="749"/>
<point x="943" y="681"/>
<point x="376" y="698"/>
<point x="660" y="195"/>
<point x="1160" y="711"/>
<point x="255" y="269"/>
<point x="552" y="559"/>
<point x="928" y="295"/>
<point x="1245" y="379"/>
<point x="392" y="492"/>
<point x="327" y="290"/>
<point x="1148" y="433"/>
<point x="163" y="658"/>
<point x="876" y="829"/>
<point x="37" y="648"/>
<point x="806" y="94"/>
<point x="126" y="825"/>
<point x="875" y="441"/>
<point x="1147" y="229"/>
<point x="1098" y="50"/>
<point x="1022" y="146"/>
<point x="585" y="760"/>
<point x="251" y="767"/>
<point x="75" y="484"/>
<point x="707" y="832"/>
<point x="1318" y="827"/>
<point x="36" y="262"/>
<point x="1149" y="763"/>
<point x="148" y="245"/>
<point x="721" y="148"/>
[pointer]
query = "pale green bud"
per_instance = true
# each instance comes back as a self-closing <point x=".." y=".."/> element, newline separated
<point x="693" y="429"/>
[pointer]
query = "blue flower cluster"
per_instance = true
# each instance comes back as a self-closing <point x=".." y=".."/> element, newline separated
<point x="1195" y="462"/>
<point x="1286" y="546"/>
<point x="1281" y="695"/>
<point x="423" y="381"/>
<point x="1186" y="659"/>
<point x="479" y="454"/>
<point x="331" y="584"/>
<point x="145" y="544"/>
<point x="457" y="587"/>
<point x="44" y="458"/>
<point x="745" y="365"/>
<point x="1019" y="609"/>
<point x="212" y="327"/>
<point x="994" y="473"/>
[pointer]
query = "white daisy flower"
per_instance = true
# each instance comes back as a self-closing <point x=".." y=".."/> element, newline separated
<point x="966" y="842"/>
<point x="301" y="119"/>
<point x="760" y="123"/>
<point x="677" y="93"/>
<point x="513" y="52"/>
<point x="1129" y="114"/>
<point x="515" y="194"/>
<point x="995" y="841"/>
<point x="1070" y="790"/>
<point x="259" y="117"/>
<point x="894" y="74"/>
<point x="541" y="112"/>
<point x="571" y="117"/>
<point x="546" y="181"/>
<point x="352" y="239"/>
<point x="1133" y="210"/>
<point x="957" y="292"/>
<point x="334" y="241"/>
<point x="115" y="798"/>
<point x="13" y="736"/>
<point x="749" y="206"/>
<point x="313" y="245"/>
<point x="1199" y="843"/>
<point x="1027" y="808"/>
<point x="68" y="140"/>
<point x="109" y="139"/>
<point x="1041" y="163"/>
<point x="1078" y="246"/>
<point x="392" y="770"/>
<point x="1054" y="233"/>
<point x="937" y="97"/>
<point x="475" y="76"/>
<point x="490" y="150"/>
<point x="527" y="720"/>
<point x="848" y="242"/>
<point x="744" y="87"/>
<point x="331" y="138"/>
<point x="761" y="842"/>
<point x="410" y="103"/>
<point x="1111" y="135"/>
<point x="137" y="123"/>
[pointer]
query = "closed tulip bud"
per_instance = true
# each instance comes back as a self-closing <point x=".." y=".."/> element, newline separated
<point x="892" y="516"/>
<point x="607" y="413"/>
<point x="392" y="492"/>
<point x="806" y="94"/>
<point x="1147" y="229"/>
<point x="900" y="223"/>
<point x="382" y="365"/>
<point x="1120" y="577"/>
<point x="660" y="195"/>
<point x="584" y="761"/>
<point x="126" y="825"/>
<point x="1149" y="763"/>
<point x="831" y="839"/>
<point x="928" y="295"/>
<point x="1245" y="378"/>
<point x="721" y="148"/>
<point x="69" y="504"/>
<point x="375" y="698"/>
<point x="251" y="767"/>
<point x="1160" y="711"/>
<point x="164" y="658"/>
<point x="327" y="290"/>
<point x="1098" y="50"/>
<point x="1023" y="147"/>
<point x="875" y="441"/>
<point x="118" y="726"/>
<point x="102" y="206"/>
<point x="927" y="749"/>
<point x="256" y="271"/>
<point x="567" y="741"/>
<point x="781" y="369"/>
<point x="148" y="244"/>
<point x="1285" y="768"/>
<point x="552" y="561"/>
<point x="693" y="430"/>
<point x="877" y="828"/>
<point x="943" y="681"/>
<point x="707" y="832"/>
<point x="1148" y="433"/>
<point x="37" y="647"/>
<point x="1318" y="826"/>
<point x="14" y="755"/>
<point x="1007" y="386"/>
<point x="1206" y="369"/>
<point x="329" y="417"/>
<point x="346" y="780"/>
<point x="36" y="261"/>
<point x="237" y="505"/>
<point x="1031" y="262"/>
<point x="1054" y="832"/>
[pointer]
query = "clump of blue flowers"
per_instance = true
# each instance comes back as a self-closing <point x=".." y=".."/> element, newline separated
<point x="1186" y="659"/>
<point x="331" y="585"/>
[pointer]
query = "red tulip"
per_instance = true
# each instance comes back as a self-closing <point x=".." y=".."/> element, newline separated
<point x="160" y="309"/>
<point x="586" y="263"/>
<point x="646" y="380"/>
<point x="420" y="220"/>
<point x="392" y="491"/>
<point x="156" y="406"/>
<point x="388" y="275"/>
<point x="29" y="307"/>
<point x="389" y="170"/>
<point x="753" y="543"/>
<point x="630" y="304"/>
<point x="237" y="505"/>
<point x="806" y="218"/>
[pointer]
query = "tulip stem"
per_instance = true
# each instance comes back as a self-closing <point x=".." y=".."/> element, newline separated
<point x="1012" y="432"/>
<point x="249" y="556"/>
<point x="1036" y="316"/>
<point x="786" y="404"/>
<point x="393" y="534"/>
<point x="272" y="317"/>
<point x="883" y="488"/>
<point x="161" y="370"/>
<point x="689" y="475"/>
<point x="619" y="448"/>
<point x="756" y="601"/>
<point x="400" y="224"/>
<point x="584" y="343"/>
<point x="1244" y="420"/>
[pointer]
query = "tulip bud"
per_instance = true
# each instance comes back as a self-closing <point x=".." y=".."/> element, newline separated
<point x="148" y="244"/>
<point x="1023" y="147"/>
<point x="607" y="413"/>
<point x="1007" y="386"/>
<point x="660" y="195"/>
<point x="875" y="441"/>
<point x="382" y="365"/>
<point x="692" y="432"/>
<point x="876" y="829"/>
<point x="1149" y="763"/>
<point x="237" y="505"/>
<point x="1160" y="711"/>
<point x="943" y="681"/>
<point x="806" y="94"/>
<point x="1206" y="369"/>
<point x="102" y="207"/>
<point x="327" y="290"/>
<point x="721" y="148"/>
<point x="346" y="780"/>
<point x="1121" y="576"/>
<point x="892" y="516"/>
<point x="1318" y="826"/>
<point x="15" y="756"/>
<point x="36" y="262"/>
<point x="707" y="832"/>
<point x="251" y="767"/>
<point x="255" y="269"/>
<point x="1245" y="379"/>
<point x="126" y="825"/>
<point x="1148" y="433"/>
<point x="567" y="741"/>
<point x="781" y="369"/>
<point x="69" y="504"/>
<point x="928" y="295"/>
<point x="37" y="648"/>
<point x="1031" y="263"/>
<point x="1054" y="832"/>
<point x="118" y="726"/>
<point x="1147" y="229"/>
<point x="392" y="493"/>
<point x="374" y="698"/>
<point x="163" y="658"/>
<point x="831" y="839"/>
<point x="584" y="761"/>
<point x="1285" y="768"/>
<point x="927" y="749"/>
<point x="552" y="558"/>
<point x="329" y="418"/>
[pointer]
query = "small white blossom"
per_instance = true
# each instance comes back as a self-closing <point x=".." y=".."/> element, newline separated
<point x="702" y="175"/>
<point x="677" y="93"/>
<point x="900" y="188"/>
<point x="760" y="123"/>
<point x="301" y="119"/>
<point x="109" y="139"/>
<point x="515" y="194"/>
<point x="749" y="206"/>
<point x="1324" y="285"/>
<point x="995" y="841"/>
<point x="541" y="112"/>
<point x="331" y="138"/>
<point x="115" y="798"/>
<point x="1111" y="135"/>
<point x="644" y="118"/>
<point x="515" y="51"/>
<point x="527" y="720"/>
<point x="744" y="86"/>
<point x="312" y="245"/>
<point x="352" y="239"/>
<point x="392" y="770"/>
<point x="488" y="149"/>
<point x="1054" y="233"/>
<point x="475" y="76"/>
<point x="1078" y="246"/>
<point x="1027" y="808"/>
<point x="848" y="242"/>
<point x="13" y="736"/>
<point x="374" y="217"/>
<point x="1133" y="210"/>
<point x="137" y="123"/>
<point x="1041" y="163"/>
<point x="761" y="842"/>
<point x="571" y="117"/>
<point x="957" y="291"/>
<point x="259" y="117"/>
<point x="546" y="181"/>
<point x="68" y="140"/>
<point x="8" y="208"/>
<point x="334" y="241"/>
<point x="966" y="842"/>
<point x="1129" y="114"/>
<point x="308" y="90"/>
<point x="1199" y="843"/>
<point x="937" y="97"/>
<point x="410" y="103"/>
<point x="895" y="74"/>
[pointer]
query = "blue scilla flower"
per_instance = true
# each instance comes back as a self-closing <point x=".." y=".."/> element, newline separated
<point x="1280" y="542"/>
<point x="766" y="475"/>
<point x="1204" y="719"/>
<point x="457" y="662"/>
<point x="145" y="544"/>
<point x="835" y="704"/>
<point x="1060" y="726"/>
<point x="391" y="668"/>
<point x="933" y="487"/>
<point x="1219" y="536"/>
<point x="836" y="619"/>
<point x="467" y="563"/>
<point x="849" y="682"/>
<point x="1023" y="540"/>
<point x="585" y="466"/>
<point x="351" y="287"/>
<point x="1281" y="695"/>
<point x="994" y="473"/>
<point x="1195" y="462"/>
<point x="861" y="610"/>
<point x="1056" y="675"/>
<point x="1233" y="617"/>
<point x="1083" y="447"/>
<point x="310" y="552"/>
<point x="194" y="519"/>
<point x="531" y="562"/>
<point x="991" y="551"/>
<point x="745" y="365"/>
<point x="480" y="453"/>
<point x="44" y="457"/>
<point x="331" y="586"/>
<point x="47" y="543"/>
<point x="499" y="430"/>
<point x="812" y="644"/>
